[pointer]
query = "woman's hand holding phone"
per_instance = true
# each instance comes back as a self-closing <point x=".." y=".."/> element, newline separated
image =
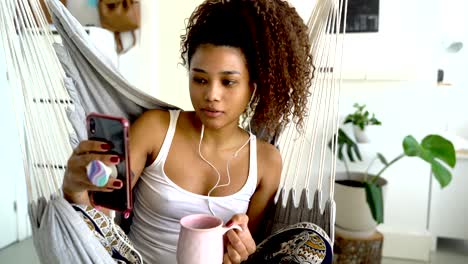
<point x="76" y="183"/>
<point x="107" y="146"/>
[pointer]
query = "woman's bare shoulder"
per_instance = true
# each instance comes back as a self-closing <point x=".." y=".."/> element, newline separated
<point x="267" y="151"/>
<point x="152" y="124"/>
<point x="155" y="115"/>
<point x="269" y="160"/>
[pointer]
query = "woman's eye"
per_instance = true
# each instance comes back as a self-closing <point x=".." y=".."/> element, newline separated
<point x="229" y="82"/>
<point x="199" y="80"/>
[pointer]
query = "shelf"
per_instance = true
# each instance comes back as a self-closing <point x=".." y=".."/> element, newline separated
<point x="462" y="154"/>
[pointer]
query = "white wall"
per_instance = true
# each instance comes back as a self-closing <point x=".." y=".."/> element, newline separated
<point x="404" y="108"/>
<point x="14" y="223"/>
<point x="411" y="37"/>
<point x="153" y="66"/>
<point x="453" y="29"/>
<point x="173" y="78"/>
<point x="405" y="48"/>
<point x="402" y="50"/>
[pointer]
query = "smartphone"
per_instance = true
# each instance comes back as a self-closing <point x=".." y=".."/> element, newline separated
<point x="114" y="131"/>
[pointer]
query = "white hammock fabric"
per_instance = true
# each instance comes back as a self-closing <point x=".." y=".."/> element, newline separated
<point x="35" y="74"/>
<point x="59" y="86"/>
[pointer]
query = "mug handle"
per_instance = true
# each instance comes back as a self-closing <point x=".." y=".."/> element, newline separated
<point x="225" y="229"/>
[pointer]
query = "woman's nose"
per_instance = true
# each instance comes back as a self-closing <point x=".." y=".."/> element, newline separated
<point x="213" y="92"/>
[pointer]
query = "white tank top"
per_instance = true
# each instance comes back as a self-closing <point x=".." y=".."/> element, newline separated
<point x="160" y="204"/>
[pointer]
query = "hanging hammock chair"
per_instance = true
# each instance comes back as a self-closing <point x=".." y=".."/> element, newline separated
<point x="56" y="85"/>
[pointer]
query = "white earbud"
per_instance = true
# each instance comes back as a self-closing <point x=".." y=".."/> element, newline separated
<point x="253" y="93"/>
<point x="250" y="102"/>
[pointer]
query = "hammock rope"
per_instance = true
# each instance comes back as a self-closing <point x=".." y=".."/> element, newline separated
<point x="307" y="159"/>
<point x="35" y="71"/>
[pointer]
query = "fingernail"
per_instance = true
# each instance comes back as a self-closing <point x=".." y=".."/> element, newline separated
<point x="114" y="159"/>
<point x="117" y="184"/>
<point x="106" y="146"/>
<point x="229" y="223"/>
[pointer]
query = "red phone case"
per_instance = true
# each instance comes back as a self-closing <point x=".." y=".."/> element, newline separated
<point x="125" y="127"/>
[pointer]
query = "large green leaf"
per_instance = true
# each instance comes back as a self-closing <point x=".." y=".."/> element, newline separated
<point x="440" y="148"/>
<point x="411" y="146"/>
<point x="442" y="174"/>
<point x="431" y="148"/>
<point x="375" y="201"/>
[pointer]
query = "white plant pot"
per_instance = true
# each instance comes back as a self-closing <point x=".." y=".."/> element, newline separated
<point x="361" y="135"/>
<point x="353" y="215"/>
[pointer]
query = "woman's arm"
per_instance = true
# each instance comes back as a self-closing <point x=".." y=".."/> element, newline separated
<point x="241" y="243"/>
<point x="146" y="137"/>
<point x="269" y="168"/>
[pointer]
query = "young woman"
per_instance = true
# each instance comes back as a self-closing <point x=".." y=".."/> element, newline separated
<point x="245" y="59"/>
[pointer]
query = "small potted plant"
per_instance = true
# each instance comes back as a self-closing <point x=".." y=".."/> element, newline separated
<point x="359" y="198"/>
<point x="361" y="119"/>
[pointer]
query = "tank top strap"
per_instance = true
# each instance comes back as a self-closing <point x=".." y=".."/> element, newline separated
<point x="252" y="180"/>
<point x="164" y="151"/>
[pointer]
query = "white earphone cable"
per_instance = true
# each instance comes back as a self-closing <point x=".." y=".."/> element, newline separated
<point x="217" y="185"/>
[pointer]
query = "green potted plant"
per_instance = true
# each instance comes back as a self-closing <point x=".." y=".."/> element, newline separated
<point x="433" y="149"/>
<point x="359" y="194"/>
<point x="361" y="119"/>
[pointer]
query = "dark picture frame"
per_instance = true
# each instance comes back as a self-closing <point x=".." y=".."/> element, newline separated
<point x="362" y="16"/>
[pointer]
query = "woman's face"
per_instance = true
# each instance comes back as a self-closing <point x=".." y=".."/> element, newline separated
<point x="219" y="85"/>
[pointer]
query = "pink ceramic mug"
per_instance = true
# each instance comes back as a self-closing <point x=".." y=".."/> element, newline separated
<point x="201" y="239"/>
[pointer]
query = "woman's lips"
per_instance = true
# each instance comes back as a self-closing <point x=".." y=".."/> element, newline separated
<point x="212" y="112"/>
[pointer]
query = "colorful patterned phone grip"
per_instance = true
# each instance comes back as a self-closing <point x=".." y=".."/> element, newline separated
<point x="98" y="172"/>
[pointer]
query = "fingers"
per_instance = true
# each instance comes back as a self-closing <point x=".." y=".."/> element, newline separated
<point x="239" y="219"/>
<point x="112" y="184"/>
<point x="88" y="146"/>
<point x="236" y="249"/>
<point x="226" y="259"/>
<point x="87" y="151"/>
<point x="76" y="165"/>
<point x="240" y="244"/>
<point x="108" y="159"/>
<point x="76" y="177"/>
<point x="80" y="183"/>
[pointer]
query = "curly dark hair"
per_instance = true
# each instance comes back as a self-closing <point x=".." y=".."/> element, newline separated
<point x="274" y="41"/>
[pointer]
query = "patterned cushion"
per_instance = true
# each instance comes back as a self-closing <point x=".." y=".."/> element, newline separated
<point x="304" y="243"/>
<point x="103" y="229"/>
